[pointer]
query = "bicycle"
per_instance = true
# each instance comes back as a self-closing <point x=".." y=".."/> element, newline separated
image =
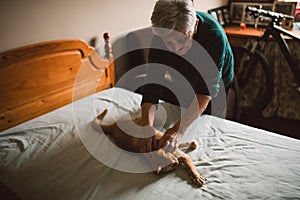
<point x="253" y="68"/>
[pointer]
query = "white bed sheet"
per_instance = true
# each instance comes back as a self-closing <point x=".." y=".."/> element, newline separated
<point x="47" y="158"/>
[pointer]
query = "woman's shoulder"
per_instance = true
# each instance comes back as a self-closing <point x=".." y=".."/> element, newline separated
<point x="209" y="26"/>
<point x="206" y="18"/>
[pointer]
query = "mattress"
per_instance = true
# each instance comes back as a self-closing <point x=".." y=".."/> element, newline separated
<point x="61" y="155"/>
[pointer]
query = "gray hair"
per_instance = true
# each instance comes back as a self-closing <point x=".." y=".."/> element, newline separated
<point x="178" y="15"/>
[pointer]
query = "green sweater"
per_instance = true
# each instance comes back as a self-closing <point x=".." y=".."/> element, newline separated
<point x="200" y="71"/>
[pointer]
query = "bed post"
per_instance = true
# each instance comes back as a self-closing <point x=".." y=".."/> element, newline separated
<point x="110" y="57"/>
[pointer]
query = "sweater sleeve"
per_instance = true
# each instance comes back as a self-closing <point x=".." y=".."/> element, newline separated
<point x="152" y="90"/>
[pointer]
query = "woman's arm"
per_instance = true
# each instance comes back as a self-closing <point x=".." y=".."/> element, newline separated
<point x="196" y="108"/>
<point x="148" y="113"/>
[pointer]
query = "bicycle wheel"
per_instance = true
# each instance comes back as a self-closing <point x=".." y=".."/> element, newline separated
<point x="254" y="80"/>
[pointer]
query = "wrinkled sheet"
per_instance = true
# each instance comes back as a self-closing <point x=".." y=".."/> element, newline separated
<point x="61" y="155"/>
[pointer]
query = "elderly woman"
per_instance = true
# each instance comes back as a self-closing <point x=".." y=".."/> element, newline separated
<point x="191" y="46"/>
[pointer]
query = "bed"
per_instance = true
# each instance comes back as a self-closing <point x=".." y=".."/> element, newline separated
<point x="49" y="148"/>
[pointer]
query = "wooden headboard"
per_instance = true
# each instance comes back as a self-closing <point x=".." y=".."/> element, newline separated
<point x="39" y="78"/>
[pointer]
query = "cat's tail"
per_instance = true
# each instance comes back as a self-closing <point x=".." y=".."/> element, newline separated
<point x="101" y="116"/>
<point x="98" y="122"/>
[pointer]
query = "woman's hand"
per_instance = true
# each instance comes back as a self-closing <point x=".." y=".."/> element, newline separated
<point x="198" y="105"/>
<point x="169" y="141"/>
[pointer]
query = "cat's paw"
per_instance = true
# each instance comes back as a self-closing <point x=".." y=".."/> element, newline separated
<point x="198" y="180"/>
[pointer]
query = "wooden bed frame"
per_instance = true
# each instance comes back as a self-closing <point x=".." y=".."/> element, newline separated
<point x="39" y="78"/>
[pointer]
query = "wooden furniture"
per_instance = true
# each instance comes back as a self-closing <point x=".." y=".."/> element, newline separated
<point x="238" y="36"/>
<point x="39" y="78"/>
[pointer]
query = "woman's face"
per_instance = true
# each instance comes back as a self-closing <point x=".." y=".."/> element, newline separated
<point x="178" y="42"/>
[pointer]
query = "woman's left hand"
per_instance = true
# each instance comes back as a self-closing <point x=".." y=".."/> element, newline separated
<point x="169" y="141"/>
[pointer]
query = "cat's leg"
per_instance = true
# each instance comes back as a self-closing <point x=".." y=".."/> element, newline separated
<point x="194" y="174"/>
